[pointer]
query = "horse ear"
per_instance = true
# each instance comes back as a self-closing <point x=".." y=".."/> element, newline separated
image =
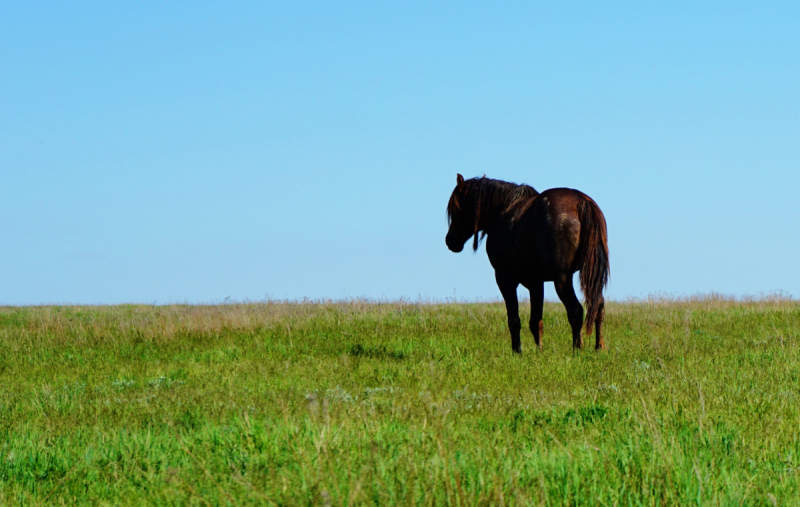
<point x="459" y="179"/>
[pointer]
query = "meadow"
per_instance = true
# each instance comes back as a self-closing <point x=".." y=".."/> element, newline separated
<point x="695" y="402"/>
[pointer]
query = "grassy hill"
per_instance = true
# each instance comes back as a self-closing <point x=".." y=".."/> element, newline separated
<point x="695" y="402"/>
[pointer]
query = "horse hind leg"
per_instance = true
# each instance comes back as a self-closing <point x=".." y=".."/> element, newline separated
<point x="598" y="325"/>
<point x="566" y="293"/>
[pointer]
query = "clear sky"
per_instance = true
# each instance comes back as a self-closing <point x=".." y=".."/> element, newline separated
<point x="161" y="152"/>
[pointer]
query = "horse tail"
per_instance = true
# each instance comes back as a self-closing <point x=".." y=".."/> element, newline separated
<point x="593" y="250"/>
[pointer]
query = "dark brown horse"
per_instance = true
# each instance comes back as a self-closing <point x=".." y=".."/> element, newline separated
<point x="535" y="238"/>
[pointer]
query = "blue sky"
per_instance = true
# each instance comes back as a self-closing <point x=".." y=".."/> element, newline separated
<point x="162" y="152"/>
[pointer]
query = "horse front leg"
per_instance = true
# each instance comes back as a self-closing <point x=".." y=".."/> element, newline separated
<point x="537" y="302"/>
<point x="508" y="288"/>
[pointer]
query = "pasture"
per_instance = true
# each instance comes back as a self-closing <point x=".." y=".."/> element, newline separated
<point x="694" y="402"/>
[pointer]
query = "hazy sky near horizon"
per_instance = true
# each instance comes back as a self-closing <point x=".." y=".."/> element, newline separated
<point x="160" y="152"/>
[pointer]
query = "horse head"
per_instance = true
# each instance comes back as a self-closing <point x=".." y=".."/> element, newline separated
<point x="461" y="214"/>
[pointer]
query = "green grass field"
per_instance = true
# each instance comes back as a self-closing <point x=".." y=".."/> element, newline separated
<point x="694" y="402"/>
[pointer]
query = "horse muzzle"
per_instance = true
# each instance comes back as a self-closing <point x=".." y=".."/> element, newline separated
<point x="454" y="246"/>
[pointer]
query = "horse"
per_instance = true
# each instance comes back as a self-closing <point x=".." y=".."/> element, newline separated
<point x="534" y="238"/>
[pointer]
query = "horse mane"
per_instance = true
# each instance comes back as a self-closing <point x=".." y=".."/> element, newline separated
<point x="490" y="196"/>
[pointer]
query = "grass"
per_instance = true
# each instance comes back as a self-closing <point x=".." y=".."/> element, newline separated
<point x="695" y="402"/>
